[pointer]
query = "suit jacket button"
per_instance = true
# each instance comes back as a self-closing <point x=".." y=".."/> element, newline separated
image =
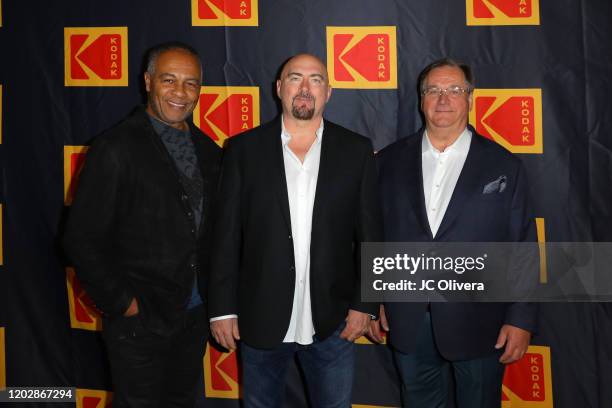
<point x="292" y="268"/>
<point x="290" y="237"/>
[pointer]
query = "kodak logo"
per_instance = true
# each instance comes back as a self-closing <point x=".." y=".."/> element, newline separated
<point x="362" y="57"/>
<point x="511" y="117"/>
<point x="95" y="56"/>
<point x="221" y="379"/>
<point x="83" y="314"/>
<point x="74" y="157"/>
<point x="224" y="12"/>
<point x="223" y="112"/>
<point x="528" y="381"/>
<point x="87" y="398"/>
<point x="503" y="12"/>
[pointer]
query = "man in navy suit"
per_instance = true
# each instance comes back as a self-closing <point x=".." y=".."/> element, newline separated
<point x="447" y="183"/>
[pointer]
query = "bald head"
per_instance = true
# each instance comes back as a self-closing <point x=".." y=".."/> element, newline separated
<point x="303" y="88"/>
<point x="300" y="59"/>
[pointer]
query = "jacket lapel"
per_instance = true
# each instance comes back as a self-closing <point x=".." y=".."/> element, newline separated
<point x="273" y="151"/>
<point x="164" y="155"/>
<point x="204" y="163"/>
<point x="169" y="163"/>
<point x="412" y="169"/>
<point x="330" y="153"/>
<point x="467" y="184"/>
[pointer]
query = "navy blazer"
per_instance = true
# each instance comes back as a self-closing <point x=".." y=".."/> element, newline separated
<point x="253" y="267"/>
<point x="462" y="330"/>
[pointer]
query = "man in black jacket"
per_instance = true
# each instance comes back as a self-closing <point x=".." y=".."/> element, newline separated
<point x="137" y="235"/>
<point x="298" y="196"/>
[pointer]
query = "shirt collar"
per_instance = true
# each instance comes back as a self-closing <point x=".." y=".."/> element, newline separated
<point x="461" y="145"/>
<point x="286" y="137"/>
<point x="164" y="129"/>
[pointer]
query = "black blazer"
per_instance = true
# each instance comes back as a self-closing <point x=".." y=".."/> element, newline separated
<point x="462" y="330"/>
<point x="131" y="232"/>
<point x="252" y="272"/>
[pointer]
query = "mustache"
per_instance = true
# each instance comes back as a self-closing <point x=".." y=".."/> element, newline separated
<point x="305" y="95"/>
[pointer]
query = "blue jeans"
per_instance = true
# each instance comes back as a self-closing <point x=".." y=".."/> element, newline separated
<point x="426" y="376"/>
<point x="328" y="366"/>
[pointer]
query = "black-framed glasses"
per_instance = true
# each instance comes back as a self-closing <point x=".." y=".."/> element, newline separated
<point x="454" y="91"/>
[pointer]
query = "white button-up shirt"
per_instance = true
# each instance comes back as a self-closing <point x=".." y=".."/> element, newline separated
<point x="301" y="187"/>
<point x="441" y="171"/>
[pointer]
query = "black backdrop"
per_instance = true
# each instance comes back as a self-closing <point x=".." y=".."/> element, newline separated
<point x="523" y="49"/>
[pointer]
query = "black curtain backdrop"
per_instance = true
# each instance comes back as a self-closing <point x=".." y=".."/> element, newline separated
<point x="73" y="68"/>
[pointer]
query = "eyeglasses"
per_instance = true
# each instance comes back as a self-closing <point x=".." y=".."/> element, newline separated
<point x="454" y="91"/>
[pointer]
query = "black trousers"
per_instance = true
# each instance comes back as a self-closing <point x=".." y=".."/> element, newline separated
<point x="149" y="370"/>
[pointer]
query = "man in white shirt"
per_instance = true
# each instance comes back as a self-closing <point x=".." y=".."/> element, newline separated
<point x="297" y="197"/>
<point x="446" y="183"/>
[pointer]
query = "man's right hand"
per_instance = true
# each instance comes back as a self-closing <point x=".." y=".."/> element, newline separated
<point x="226" y="332"/>
<point x="132" y="309"/>
<point x="374" y="331"/>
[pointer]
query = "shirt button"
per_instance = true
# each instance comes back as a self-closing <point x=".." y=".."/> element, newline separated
<point x="433" y="209"/>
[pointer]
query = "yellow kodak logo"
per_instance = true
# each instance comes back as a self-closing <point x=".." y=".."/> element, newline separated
<point x="223" y="112"/>
<point x="528" y="382"/>
<point x="74" y="157"/>
<point x="95" y="56"/>
<point x="83" y="314"/>
<point x="510" y="117"/>
<point x="87" y="398"/>
<point x="221" y="379"/>
<point x="362" y="57"/>
<point x="502" y="12"/>
<point x="224" y="13"/>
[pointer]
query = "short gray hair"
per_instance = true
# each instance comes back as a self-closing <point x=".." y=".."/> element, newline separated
<point x="447" y="62"/>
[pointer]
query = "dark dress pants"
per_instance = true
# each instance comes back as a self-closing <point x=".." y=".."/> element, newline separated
<point x="149" y="370"/>
<point x="426" y="376"/>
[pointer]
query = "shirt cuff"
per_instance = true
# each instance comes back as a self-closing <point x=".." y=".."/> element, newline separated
<point x="230" y="316"/>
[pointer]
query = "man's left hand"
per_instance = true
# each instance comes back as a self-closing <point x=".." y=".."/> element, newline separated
<point x="516" y="341"/>
<point x="357" y="324"/>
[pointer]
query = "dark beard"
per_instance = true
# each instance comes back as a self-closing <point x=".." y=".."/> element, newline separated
<point x="302" y="113"/>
